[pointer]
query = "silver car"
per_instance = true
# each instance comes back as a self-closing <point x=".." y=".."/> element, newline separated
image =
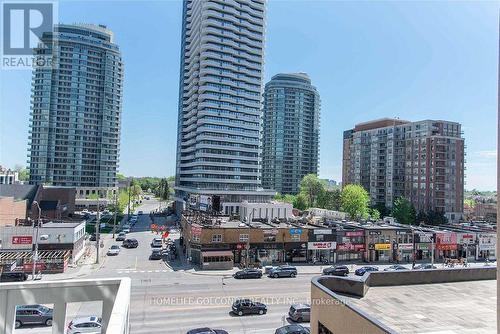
<point x="85" y="325"/>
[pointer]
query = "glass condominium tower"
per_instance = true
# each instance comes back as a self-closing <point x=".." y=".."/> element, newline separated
<point x="220" y="99"/>
<point x="76" y="109"/>
<point x="290" y="132"/>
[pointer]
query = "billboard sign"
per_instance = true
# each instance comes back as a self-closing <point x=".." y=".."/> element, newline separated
<point x="22" y="240"/>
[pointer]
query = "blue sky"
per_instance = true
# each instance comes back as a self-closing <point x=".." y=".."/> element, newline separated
<point x="413" y="60"/>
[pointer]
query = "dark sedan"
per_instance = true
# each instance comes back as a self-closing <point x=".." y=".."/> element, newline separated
<point x="156" y="254"/>
<point x="206" y="330"/>
<point x="292" y="329"/>
<point x="361" y="271"/>
<point x="130" y="243"/>
<point x="336" y="271"/>
<point x="248" y="273"/>
<point x="246" y="306"/>
<point x="395" y="267"/>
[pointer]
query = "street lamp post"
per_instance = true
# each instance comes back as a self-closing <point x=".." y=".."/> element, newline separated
<point x="114" y="218"/>
<point x="97" y="227"/>
<point x="35" y="250"/>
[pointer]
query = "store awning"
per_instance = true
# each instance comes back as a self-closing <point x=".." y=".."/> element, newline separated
<point x="217" y="253"/>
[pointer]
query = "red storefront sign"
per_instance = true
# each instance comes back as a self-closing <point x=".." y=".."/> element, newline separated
<point x="22" y="240"/>
<point x="351" y="247"/>
<point x="447" y="247"/>
<point x="195" y="230"/>
<point x="29" y="266"/>
<point x="354" y="234"/>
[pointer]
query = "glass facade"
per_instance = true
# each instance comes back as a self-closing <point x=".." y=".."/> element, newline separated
<point x="290" y="132"/>
<point x="76" y="109"/>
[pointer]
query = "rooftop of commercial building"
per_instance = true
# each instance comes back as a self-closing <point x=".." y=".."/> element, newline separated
<point x="446" y="308"/>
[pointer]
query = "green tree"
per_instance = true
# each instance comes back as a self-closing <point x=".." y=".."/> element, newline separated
<point x="374" y="214"/>
<point x="163" y="190"/>
<point x="120" y="177"/>
<point x="312" y="187"/>
<point x="404" y="211"/>
<point x="330" y="200"/>
<point x="300" y="202"/>
<point x="436" y="218"/>
<point x="355" y="201"/>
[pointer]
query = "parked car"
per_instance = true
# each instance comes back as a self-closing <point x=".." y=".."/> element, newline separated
<point x="157" y="242"/>
<point x="395" y="267"/>
<point x="248" y="273"/>
<point x="361" y="271"/>
<point x="300" y="312"/>
<point x="293" y="329"/>
<point x="85" y="325"/>
<point x="140" y="212"/>
<point x="121" y="236"/>
<point x="93" y="237"/>
<point x="283" y="271"/>
<point x="113" y="250"/>
<point x="247" y="306"/>
<point x="33" y="315"/>
<point x="130" y="243"/>
<point x="336" y="271"/>
<point x="425" y="266"/>
<point x="13" y="277"/>
<point x="206" y="330"/>
<point x="156" y="254"/>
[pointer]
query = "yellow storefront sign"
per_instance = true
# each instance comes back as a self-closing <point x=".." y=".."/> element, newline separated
<point x="382" y="246"/>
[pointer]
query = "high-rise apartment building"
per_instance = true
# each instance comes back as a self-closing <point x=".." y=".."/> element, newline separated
<point x="76" y="109"/>
<point x="220" y="100"/>
<point x="422" y="161"/>
<point x="290" y="139"/>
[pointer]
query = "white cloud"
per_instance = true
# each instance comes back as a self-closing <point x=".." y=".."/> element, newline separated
<point x="488" y="154"/>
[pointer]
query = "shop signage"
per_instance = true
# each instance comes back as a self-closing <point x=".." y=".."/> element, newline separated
<point x="322" y="231"/>
<point x="382" y="246"/>
<point x="322" y="245"/>
<point x="354" y="234"/>
<point x="22" y="240"/>
<point x="375" y="233"/>
<point x="464" y="238"/>
<point x="351" y="247"/>
<point x="196" y="230"/>
<point x="401" y="232"/>
<point x="405" y="246"/>
<point x="447" y="247"/>
<point x="424" y="246"/>
<point x="295" y="231"/>
<point x="487" y="247"/>
<point x="240" y="246"/>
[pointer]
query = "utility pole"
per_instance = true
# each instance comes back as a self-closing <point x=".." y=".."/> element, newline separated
<point x="114" y="218"/>
<point x="97" y="227"/>
<point x="414" y="247"/>
<point x="35" y="248"/>
<point x="432" y="250"/>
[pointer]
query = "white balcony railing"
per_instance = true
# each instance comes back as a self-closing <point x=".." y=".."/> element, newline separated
<point x="114" y="294"/>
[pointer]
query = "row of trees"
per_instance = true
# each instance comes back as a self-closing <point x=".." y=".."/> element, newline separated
<point x="355" y="201"/>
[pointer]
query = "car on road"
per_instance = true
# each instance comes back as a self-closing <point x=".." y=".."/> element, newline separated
<point x="395" y="267"/>
<point x="206" y="330"/>
<point x="246" y="306"/>
<point x="140" y="212"/>
<point x="293" y="329"/>
<point x="248" y="273"/>
<point x="130" y="243"/>
<point x="336" y="271"/>
<point x="33" y="315"/>
<point x="93" y="237"/>
<point x="366" y="269"/>
<point x="85" y="325"/>
<point x="13" y="277"/>
<point x="425" y="266"/>
<point x="283" y="271"/>
<point x="157" y="242"/>
<point x="113" y="250"/>
<point x="300" y="312"/>
<point x="156" y="254"/>
<point x="121" y="236"/>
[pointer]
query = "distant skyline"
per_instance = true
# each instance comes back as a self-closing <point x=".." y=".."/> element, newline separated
<point x="368" y="60"/>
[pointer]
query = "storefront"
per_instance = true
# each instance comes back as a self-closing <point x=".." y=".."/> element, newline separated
<point x="446" y="245"/>
<point x="350" y="252"/>
<point x="267" y="253"/>
<point x="49" y="262"/>
<point x="322" y="251"/>
<point x="295" y="252"/>
<point x="217" y="260"/>
<point x="423" y="251"/>
<point x="487" y="243"/>
<point x="466" y="246"/>
<point x="405" y="252"/>
<point x="380" y="252"/>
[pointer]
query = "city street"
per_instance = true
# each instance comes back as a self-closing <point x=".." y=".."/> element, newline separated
<point x="173" y="297"/>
